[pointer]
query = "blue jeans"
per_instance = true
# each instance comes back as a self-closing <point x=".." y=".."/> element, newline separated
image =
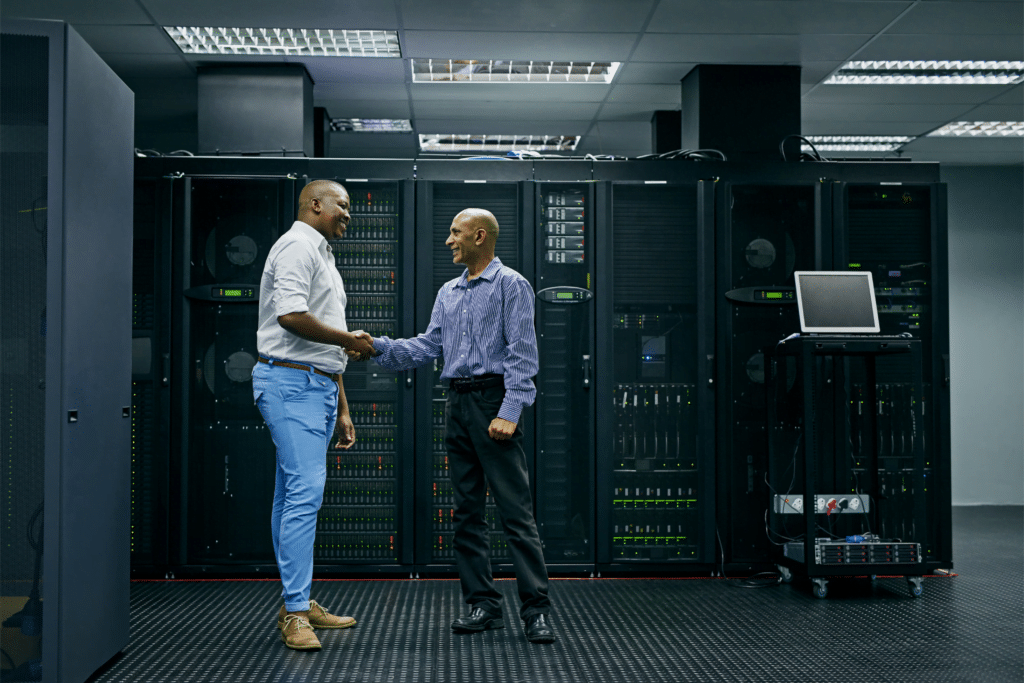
<point x="300" y="408"/>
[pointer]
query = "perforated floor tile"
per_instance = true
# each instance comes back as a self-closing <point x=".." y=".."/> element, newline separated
<point x="966" y="629"/>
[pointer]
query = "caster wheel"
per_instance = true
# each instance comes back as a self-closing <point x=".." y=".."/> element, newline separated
<point x="915" y="590"/>
<point x="787" y="576"/>
<point x="820" y="591"/>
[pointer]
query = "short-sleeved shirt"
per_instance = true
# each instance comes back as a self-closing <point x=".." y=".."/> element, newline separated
<point x="300" y="276"/>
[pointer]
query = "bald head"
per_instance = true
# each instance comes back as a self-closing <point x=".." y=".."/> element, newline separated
<point x="481" y="219"/>
<point x="318" y="189"/>
<point x="324" y="205"/>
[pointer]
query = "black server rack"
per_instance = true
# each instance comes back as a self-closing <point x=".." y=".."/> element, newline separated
<point x="897" y="232"/>
<point x="363" y="520"/>
<point x="227" y="227"/>
<point x="655" y="472"/>
<point x="438" y="202"/>
<point x="565" y="379"/>
<point x="766" y="231"/>
<point x="150" y="373"/>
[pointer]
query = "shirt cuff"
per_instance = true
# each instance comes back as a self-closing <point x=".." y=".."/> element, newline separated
<point x="511" y="409"/>
<point x="381" y="345"/>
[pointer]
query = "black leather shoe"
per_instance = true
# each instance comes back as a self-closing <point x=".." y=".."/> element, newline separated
<point x="477" y="620"/>
<point x="538" y="630"/>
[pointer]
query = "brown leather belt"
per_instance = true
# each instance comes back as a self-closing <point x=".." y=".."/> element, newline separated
<point x="298" y="366"/>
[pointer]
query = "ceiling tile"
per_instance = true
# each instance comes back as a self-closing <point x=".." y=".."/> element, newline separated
<point x="903" y="94"/>
<point x="779" y="17"/>
<point x="505" y="109"/>
<point x="138" y="65"/>
<point x="631" y="111"/>
<point x="1015" y="95"/>
<point x="660" y="94"/>
<point x="138" y="39"/>
<point x="76" y="12"/>
<point x="973" y="144"/>
<point x="346" y="108"/>
<point x="882" y="112"/>
<point x="248" y="14"/>
<point x="353" y="69"/>
<point x="620" y="135"/>
<point x="542" y="46"/>
<point x="944" y="46"/>
<point x="861" y="127"/>
<point x="653" y="72"/>
<point x="994" y="112"/>
<point x="745" y="49"/>
<point x="528" y="15"/>
<point x="968" y="18"/>
<point x="510" y="92"/>
<point x="360" y="91"/>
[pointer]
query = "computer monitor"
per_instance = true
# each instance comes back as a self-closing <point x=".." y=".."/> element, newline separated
<point x="836" y="302"/>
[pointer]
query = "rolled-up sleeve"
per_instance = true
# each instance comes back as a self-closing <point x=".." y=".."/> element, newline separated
<point x="293" y="275"/>
<point x="521" y="360"/>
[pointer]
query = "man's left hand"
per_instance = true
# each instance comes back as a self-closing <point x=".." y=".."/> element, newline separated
<point x="345" y="431"/>
<point x="501" y="430"/>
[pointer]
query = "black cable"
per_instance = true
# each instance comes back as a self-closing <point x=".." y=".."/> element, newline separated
<point x="9" y="659"/>
<point x="752" y="581"/>
<point x="809" y="157"/>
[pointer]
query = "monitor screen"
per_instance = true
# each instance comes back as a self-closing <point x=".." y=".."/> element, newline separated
<point x="836" y="302"/>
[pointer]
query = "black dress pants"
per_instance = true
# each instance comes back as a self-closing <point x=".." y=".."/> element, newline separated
<point x="472" y="455"/>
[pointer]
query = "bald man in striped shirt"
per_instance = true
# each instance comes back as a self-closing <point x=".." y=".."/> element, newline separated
<point x="482" y="326"/>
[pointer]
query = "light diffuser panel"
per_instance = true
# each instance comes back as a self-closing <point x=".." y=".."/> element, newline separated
<point x="928" y="72"/>
<point x="284" y="41"/>
<point x="983" y="129"/>
<point x="498" y="143"/>
<point x="510" y="71"/>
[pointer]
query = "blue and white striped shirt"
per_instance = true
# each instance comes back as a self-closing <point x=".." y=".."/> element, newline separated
<point x="479" y="326"/>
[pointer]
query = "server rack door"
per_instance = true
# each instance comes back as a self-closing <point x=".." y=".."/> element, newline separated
<point x="565" y="379"/>
<point x="438" y="202"/>
<point x="363" y="520"/>
<point x="150" y="373"/>
<point x="766" y="231"/>
<point x="897" y="232"/>
<point x="229" y="225"/>
<point x="654" y="493"/>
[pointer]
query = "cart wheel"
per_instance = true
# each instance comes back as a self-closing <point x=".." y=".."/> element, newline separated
<point x="914" y="584"/>
<point x="820" y="589"/>
<point x="787" y="576"/>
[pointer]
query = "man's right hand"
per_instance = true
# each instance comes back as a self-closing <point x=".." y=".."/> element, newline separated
<point x="359" y="345"/>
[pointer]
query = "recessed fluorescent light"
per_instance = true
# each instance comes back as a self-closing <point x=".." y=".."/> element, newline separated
<point x="856" y="143"/>
<point x="912" y="73"/>
<point x="371" y="125"/>
<point x="498" y="143"/>
<point x="284" y="41"/>
<point x="981" y="129"/>
<point x="510" y="71"/>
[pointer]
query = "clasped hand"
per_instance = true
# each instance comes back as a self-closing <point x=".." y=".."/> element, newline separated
<point x="361" y="347"/>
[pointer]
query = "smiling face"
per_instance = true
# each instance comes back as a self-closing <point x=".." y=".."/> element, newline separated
<point x="335" y="212"/>
<point x="465" y="239"/>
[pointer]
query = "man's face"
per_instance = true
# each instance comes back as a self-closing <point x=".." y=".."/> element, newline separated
<point x="462" y="240"/>
<point x="334" y="215"/>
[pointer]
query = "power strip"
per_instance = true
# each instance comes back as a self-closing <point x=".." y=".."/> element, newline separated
<point x="824" y="504"/>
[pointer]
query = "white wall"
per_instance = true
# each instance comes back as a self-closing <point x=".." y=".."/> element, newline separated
<point x="986" y="291"/>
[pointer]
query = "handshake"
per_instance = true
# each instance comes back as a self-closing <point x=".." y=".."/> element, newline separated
<point x="360" y="346"/>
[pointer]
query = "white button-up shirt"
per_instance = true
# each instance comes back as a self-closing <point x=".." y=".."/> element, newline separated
<point x="300" y="275"/>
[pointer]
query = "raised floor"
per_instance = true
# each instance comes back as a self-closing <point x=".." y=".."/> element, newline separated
<point x="969" y="627"/>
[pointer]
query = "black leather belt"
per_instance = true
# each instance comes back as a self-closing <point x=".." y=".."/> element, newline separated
<point x="464" y="385"/>
<point x="300" y="366"/>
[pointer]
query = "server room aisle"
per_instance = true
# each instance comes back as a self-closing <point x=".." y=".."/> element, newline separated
<point x="966" y="628"/>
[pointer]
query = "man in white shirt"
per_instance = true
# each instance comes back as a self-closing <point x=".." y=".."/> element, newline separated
<point x="303" y="340"/>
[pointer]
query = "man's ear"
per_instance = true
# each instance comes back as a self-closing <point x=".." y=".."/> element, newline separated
<point x="481" y="236"/>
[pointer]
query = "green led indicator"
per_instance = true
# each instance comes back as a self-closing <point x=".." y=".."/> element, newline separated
<point x="773" y="295"/>
<point x="231" y="292"/>
<point x="855" y="265"/>
<point x="563" y="295"/>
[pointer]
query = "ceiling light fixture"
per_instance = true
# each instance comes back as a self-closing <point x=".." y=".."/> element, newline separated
<point x="928" y="72"/>
<point x="371" y="125"/>
<point x="284" y="41"/>
<point x="498" y="143"/>
<point x="510" y="71"/>
<point x="856" y="143"/>
<point x="980" y="129"/>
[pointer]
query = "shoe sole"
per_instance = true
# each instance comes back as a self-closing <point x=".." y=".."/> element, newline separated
<point x="280" y="625"/>
<point x="486" y="626"/>
<point x="542" y="639"/>
<point x="299" y="647"/>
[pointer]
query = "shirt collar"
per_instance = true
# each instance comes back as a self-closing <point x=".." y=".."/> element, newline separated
<point x="489" y="272"/>
<point x="310" y="233"/>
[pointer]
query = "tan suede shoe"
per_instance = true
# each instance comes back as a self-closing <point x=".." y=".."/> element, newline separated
<point x="298" y="634"/>
<point x="319" y="618"/>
